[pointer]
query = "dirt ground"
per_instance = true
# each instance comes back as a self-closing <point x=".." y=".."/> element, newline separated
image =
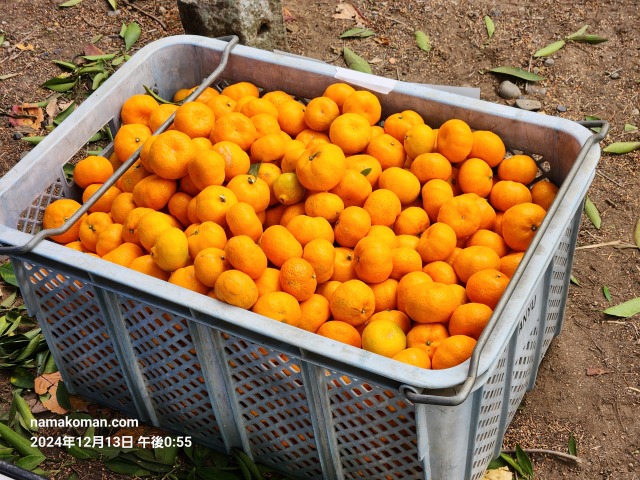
<point x="589" y="381"/>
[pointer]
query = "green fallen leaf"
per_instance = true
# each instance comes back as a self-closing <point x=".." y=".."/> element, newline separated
<point x="357" y="32"/>
<point x="34" y="140"/>
<point x="9" y="75"/>
<point x="593" y="39"/>
<point x="22" y="378"/>
<point x="518" y="72"/>
<point x="491" y="28"/>
<point x="524" y="461"/>
<point x="423" y="41"/>
<point x="1" y="37"/>
<point x="122" y="466"/>
<point x="606" y="293"/>
<point x="355" y="62"/>
<point x="7" y="273"/>
<point x="131" y="35"/>
<point x="628" y="127"/>
<point x="550" y="49"/>
<point x="513" y="464"/>
<point x="30" y="462"/>
<point x="65" y="113"/>
<point x="61" y="83"/>
<point x="578" y="33"/>
<point x="621" y="147"/>
<point x="98" y="79"/>
<point x="592" y="213"/>
<point x="97" y="58"/>
<point x="68" y="65"/>
<point x="572" y="446"/>
<point x="626" y="309"/>
<point x="117" y="61"/>
<point x="113" y="4"/>
<point x="636" y="234"/>
<point x="70" y="3"/>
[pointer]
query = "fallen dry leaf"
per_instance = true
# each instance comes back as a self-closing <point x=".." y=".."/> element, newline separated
<point x="51" y="403"/>
<point x="79" y="404"/>
<point x="92" y="50"/>
<point x="287" y="15"/>
<point x="592" y="371"/>
<point x="23" y="47"/>
<point x="501" y="473"/>
<point x="382" y="40"/>
<point x="26" y="115"/>
<point x="346" y="11"/>
<point x="52" y="110"/>
<point x="44" y="382"/>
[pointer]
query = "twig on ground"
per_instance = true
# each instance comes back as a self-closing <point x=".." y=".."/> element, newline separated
<point x="144" y="12"/>
<point x="566" y="456"/>
<point x="597" y="245"/>
<point x="609" y="178"/>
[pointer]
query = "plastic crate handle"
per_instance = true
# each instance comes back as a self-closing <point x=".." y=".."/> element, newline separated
<point x="42" y="234"/>
<point x="411" y="392"/>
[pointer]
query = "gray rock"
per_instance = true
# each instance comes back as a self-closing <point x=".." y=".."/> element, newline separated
<point x="635" y="111"/>
<point x="535" y="90"/>
<point x="549" y="62"/>
<point x="6" y="44"/>
<point x="615" y="76"/>
<point x="113" y="13"/>
<point x="257" y="23"/>
<point x="528" y="104"/>
<point x="561" y="108"/>
<point x="162" y="10"/>
<point x="509" y="90"/>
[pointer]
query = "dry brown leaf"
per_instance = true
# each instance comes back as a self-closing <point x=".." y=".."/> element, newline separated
<point x="592" y="371"/>
<point x="44" y="382"/>
<point x="79" y="404"/>
<point x="346" y="11"/>
<point x="52" y="110"/>
<point x="501" y="473"/>
<point x="92" y="50"/>
<point x="382" y="40"/>
<point x="26" y="115"/>
<point x="23" y="47"/>
<point x="287" y="15"/>
<point x="51" y="403"/>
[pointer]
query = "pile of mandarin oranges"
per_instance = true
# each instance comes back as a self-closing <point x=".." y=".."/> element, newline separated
<point x="382" y="233"/>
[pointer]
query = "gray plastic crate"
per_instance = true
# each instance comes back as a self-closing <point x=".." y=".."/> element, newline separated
<point x="304" y="404"/>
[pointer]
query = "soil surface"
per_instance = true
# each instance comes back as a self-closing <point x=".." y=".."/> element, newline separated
<point x="588" y="385"/>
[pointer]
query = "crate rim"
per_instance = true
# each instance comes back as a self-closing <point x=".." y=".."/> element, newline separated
<point x="100" y="271"/>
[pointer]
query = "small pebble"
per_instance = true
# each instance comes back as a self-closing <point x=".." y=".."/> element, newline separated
<point x="113" y="13"/>
<point x="509" y="90"/>
<point x="6" y="44"/>
<point x="615" y="76"/>
<point x="162" y="10"/>
<point x="17" y="136"/>
<point x="561" y="108"/>
<point x="635" y="111"/>
<point x="528" y="104"/>
<point x="535" y="89"/>
<point x="549" y="62"/>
